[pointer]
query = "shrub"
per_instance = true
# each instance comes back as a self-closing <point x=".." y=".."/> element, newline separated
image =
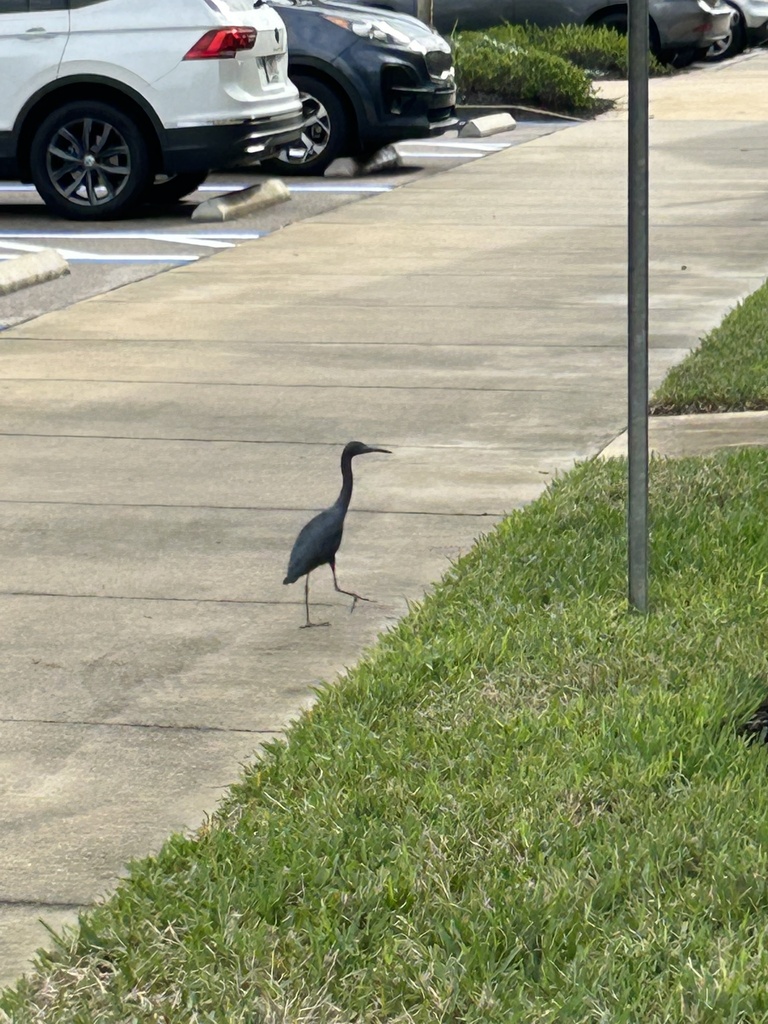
<point x="602" y="52"/>
<point x="492" y="70"/>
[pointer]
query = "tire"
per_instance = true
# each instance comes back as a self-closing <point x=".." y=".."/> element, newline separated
<point x="682" y="58"/>
<point x="89" y="161"/>
<point x="617" y="20"/>
<point x="326" y="137"/>
<point x="734" y="43"/>
<point x="175" y="187"/>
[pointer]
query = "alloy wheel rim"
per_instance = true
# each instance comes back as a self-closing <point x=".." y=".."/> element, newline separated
<point x="88" y="162"/>
<point x="718" y="48"/>
<point x="315" y="136"/>
<point x="722" y="45"/>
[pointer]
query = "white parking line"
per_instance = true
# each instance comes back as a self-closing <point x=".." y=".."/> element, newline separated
<point x="75" y="256"/>
<point x="214" y="241"/>
<point x="410" y="154"/>
<point x="131" y="258"/>
<point x="322" y="187"/>
<point x="460" y="144"/>
<point x="313" y="187"/>
<point x="233" y="187"/>
<point x="80" y="257"/>
<point x="74" y="233"/>
<point x="22" y="247"/>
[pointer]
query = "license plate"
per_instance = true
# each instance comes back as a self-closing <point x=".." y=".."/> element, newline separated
<point x="272" y="68"/>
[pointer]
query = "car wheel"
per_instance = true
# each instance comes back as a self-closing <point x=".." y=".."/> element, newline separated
<point x="326" y="134"/>
<point x="89" y="161"/>
<point x="733" y="44"/>
<point x="682" y="58"/>
<point x="617" y="20"/>
<point x="173" y="187"/>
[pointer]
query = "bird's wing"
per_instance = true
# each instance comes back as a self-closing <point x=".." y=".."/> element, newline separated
<point x="317" y="543"/>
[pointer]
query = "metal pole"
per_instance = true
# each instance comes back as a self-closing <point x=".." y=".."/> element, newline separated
<point x="425" y="11"/>
<point x="637" y="511"/>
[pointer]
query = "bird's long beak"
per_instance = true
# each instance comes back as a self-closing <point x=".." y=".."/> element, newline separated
<point x="384" y="451"/>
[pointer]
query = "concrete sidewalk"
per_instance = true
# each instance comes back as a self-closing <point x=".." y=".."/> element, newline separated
<point x="162" y="445"/>
<point x="682" y="436"/>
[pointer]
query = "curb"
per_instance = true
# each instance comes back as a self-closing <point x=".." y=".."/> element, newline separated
<point x="386" y="159"/>
<point x="31" y="268"/>
<point x="242" y="202"/>
<point x="491" y="124"/>
<point x="383" y="160"/>
<point x="472" y="110"/>
<point x="696" y="434"/>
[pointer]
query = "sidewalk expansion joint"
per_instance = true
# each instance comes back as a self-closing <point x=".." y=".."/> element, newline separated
<point x="431" y="346"/>
<point x="220" y="440"/>
<point x="290" y="387"/>
<point x="176" y="600"/>
<point x="149" y="726"/>
<point x="248" y="508"/>
<point x="259" y="441"/>
<point x="22" y="903"/>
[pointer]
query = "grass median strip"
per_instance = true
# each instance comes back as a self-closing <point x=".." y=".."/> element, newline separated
<point x="525" y="804"/>
<point x="729" y="370"/>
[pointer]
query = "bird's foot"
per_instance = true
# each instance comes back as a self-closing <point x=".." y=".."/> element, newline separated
<point x="350" y="593"/>
<point x="309" y="625"/>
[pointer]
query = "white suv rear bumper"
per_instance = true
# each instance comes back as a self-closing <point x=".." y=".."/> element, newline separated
<point x="201" y="147"/>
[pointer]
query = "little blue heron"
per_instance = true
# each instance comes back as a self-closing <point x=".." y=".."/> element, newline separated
<point x="320" y="539"/>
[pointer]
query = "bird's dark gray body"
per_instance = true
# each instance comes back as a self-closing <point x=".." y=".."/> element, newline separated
<point x="318" y="541"/>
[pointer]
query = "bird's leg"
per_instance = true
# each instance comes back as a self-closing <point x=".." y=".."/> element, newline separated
<point x="308" y="623"/>
<point x="349" y="593"/>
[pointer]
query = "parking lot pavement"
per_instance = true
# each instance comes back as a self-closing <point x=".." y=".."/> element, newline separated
<point x="106" y="255"/>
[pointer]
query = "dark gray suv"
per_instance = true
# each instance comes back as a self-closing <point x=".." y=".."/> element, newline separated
<point x="365" y="80"/>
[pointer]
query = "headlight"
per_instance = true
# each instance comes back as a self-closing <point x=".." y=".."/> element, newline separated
<point x="377" y="30"/>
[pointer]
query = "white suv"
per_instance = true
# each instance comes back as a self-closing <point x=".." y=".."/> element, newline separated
<point x="108" y="103"/>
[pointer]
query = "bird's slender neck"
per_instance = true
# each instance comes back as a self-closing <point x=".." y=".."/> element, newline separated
<point x="345" y="495"/>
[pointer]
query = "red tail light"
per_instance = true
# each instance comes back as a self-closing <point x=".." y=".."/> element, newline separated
<point x="221" y="43"/>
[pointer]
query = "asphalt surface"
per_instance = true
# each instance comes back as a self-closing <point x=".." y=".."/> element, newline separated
<point x="106" y="255"/>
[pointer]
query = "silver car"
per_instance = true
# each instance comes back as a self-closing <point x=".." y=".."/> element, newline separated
<point x="749" y="27"/>
<point x="677" y="26"/>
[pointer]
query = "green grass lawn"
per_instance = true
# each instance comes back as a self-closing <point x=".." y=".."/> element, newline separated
<point x="729" y="371"/>
<point x="526" y="805"/>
